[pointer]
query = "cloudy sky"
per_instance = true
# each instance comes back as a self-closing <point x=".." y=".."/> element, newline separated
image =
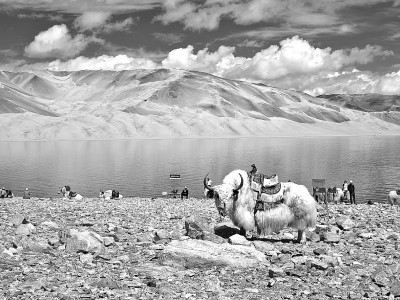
<point x="315" y="46"/>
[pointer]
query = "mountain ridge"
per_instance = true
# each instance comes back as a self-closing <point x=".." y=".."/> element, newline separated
<point x="171" y="103"/>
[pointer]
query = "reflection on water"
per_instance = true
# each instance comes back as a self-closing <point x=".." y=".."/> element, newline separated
<point x="142" y="167"/>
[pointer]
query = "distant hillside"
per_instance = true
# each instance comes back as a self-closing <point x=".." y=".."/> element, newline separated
<point x="165" y="103"/>
<point x="384" y="107"/>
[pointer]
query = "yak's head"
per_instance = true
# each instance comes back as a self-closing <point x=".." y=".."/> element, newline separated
<point x="224" y="195"/>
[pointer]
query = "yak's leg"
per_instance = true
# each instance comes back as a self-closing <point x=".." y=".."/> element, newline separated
<point x="301" y="236"/>
<point x="242" y="231"/>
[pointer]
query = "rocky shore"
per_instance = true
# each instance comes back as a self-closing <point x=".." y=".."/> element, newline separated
<point x="138" y="248"/>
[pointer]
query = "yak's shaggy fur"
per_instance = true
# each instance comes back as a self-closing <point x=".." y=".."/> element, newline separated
<point x="393" y="198"/>
<point x="298" y="209"/>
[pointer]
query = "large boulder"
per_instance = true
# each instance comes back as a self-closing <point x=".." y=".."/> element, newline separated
<point x="203" y="254"/>
<point x="345" y="223"/>
<point x="84" y="241"/>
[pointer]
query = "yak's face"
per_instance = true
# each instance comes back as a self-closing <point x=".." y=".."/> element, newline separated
<point x="224" y="196"/>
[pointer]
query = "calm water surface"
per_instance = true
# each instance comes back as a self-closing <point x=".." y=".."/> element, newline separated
<point x="142" y="167"/>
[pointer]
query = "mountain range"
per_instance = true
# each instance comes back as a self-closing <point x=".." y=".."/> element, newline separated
<point x="169" y="103"/>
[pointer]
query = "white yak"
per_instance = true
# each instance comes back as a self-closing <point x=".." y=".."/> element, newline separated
<point x="292" y="206"/>
<point x="68" y="194"/>
<point x="393" y="197"/>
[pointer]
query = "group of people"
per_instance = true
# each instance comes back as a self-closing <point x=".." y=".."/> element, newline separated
<point x="9" y="194"/>
<point x="349" y="191"/>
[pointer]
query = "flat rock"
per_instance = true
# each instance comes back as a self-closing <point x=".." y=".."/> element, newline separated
<point x="85" y="241"/>
<point x="198" y="253"/>
<point x="345" y="223"/>
<point x="238" y="239"/>
<point x="25" y="229"/>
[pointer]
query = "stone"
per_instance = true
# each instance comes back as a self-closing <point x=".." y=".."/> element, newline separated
<point x="204" y="254"/>
<point x="345" y="223"/>
<point x="108" y="241"/>
<point x="86" y="258"/>
<point x="329" y="237"/>
<point x="194" y="230"/>
<point x="25" y="229"/>
<point x="85" y="241"/>
<point x="263" y="246"/>
<point x="319" y="265"/>
<point x="17" y="220"/>
<point x="275" y="272"/>
<point x="50" y="225"/>
<point x="226" y="229"/>
<point x="319" y="251"/>
<point x="313" y="237"/>
<point x="238" y="239"/>
<point x="395" y="288"/>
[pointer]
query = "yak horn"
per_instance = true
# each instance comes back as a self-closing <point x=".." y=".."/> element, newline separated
<point x="240" y="185"/>
<point x="205" y="184"/>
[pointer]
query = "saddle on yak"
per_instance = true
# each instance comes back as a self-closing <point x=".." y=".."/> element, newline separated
<point x="266" y="191"/>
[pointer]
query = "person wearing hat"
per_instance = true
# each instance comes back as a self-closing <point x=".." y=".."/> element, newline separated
<point x="27" y="194"/>
<point x="185" y="193"/>
<point x="253" y="170"/>
<point x="352" y="193"/>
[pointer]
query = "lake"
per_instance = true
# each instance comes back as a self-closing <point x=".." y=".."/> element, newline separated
<point x="142" y="167"/>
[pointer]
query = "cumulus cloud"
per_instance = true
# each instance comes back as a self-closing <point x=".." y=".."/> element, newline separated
<point x="57" y="42"/>
<point x="91" y="19"/>
<point x="293" y="56"/>
<point x="213" y="63"/>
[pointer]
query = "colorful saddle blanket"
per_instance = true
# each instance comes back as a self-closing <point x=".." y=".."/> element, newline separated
<point x="265" y="188"/>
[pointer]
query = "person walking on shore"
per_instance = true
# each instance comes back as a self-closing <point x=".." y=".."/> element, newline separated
<point x="352" y="193"/>
<point x="27" y="194"/>
<point x="345" y="190"/>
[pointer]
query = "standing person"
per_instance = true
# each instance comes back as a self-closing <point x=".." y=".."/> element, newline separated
<point x="253" y="170"/>
<point x="27" y="194"/>
<point x="351" y="188"/>
<point x="3" y="193"/>
<point x="208" y="193"/>
<point x="345" y="189"/>
<point x="185" y="193"/>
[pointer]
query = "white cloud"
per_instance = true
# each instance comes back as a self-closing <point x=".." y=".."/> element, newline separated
<point x="77" y="7"/>
<point x="104" y="62"/>
<point x="184" y="58"/>
<point x="198" y="15"/>
<point x="123" y="25"/>
<point x="98" y="21"/>
<point x="293" y="56"/>
<point x="57" y="42"/>
<point x="91" y="19"/>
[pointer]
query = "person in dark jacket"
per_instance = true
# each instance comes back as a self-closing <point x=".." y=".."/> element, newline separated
<point x="185" y="193"/>
<point x="253" y="170"/>
<point x="352" y="192"/>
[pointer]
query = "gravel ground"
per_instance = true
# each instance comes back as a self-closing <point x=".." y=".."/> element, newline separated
<point x="352" y="254"/>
